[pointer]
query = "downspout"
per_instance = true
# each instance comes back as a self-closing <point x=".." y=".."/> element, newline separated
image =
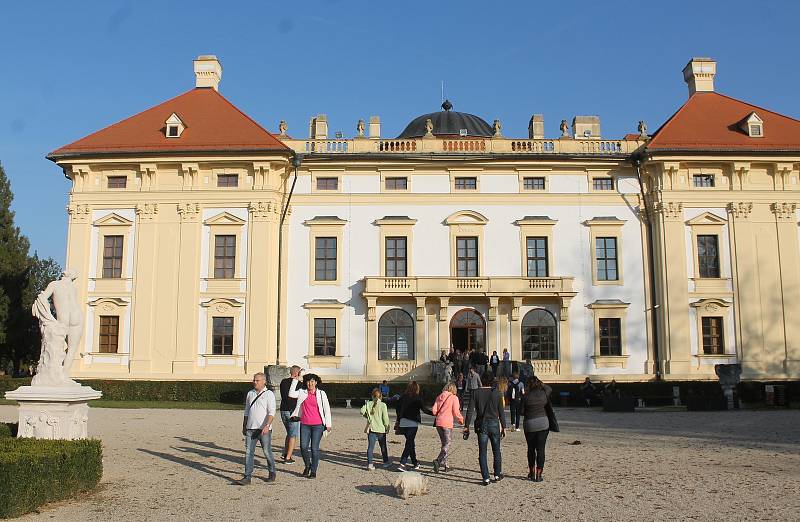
<point x="296" y="161"/>
<point x="636" y="160"/>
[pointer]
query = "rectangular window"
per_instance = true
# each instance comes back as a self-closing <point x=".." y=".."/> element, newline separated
<point x="606" y="255"/>
<point x="325" y="259"/>
<point x="602" y="184"/>
<point x="537" y="256"/>
<point x="533" y="183"/>
<point x="327" y="183"/>
<point x="324" y="336"/>
<point x="610" y="339"/>
<point x="228" y="180"/>
<point x="712" y="336"/>
<point x="112" y="256"/>
<point x="222" y="336"/>
<point x="703" y="180"/>
<point x="396" y="183"/>
<point x="396" y="257"/>
<point x="224" y="257"/>
<point x="109" y="334"/>
<point x="467" y="256"/>
<point x="708" y="255"/>
<point x="117" y="182"/>
<point x="466" y="183"/>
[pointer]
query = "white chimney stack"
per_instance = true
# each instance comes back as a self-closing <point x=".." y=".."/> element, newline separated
<point x="207" y="71"/>
<point x="699" y="75"/>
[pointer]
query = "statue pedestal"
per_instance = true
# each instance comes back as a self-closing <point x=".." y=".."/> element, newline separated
<point x="53" y="412"/>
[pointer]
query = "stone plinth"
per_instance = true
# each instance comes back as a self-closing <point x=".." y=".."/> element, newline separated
<point x="53" y="412"/>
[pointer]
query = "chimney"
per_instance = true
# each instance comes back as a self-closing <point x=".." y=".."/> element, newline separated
<point x="586" y="127"/>
<point x="375" y="127"/>
<point x="699" y="75"/>
<point x="536" y="127"/>
<point x="207" y="71"/>
<point x="318" y="127"/>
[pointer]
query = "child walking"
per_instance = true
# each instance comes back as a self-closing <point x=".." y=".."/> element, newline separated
<point x="377" y="427"/>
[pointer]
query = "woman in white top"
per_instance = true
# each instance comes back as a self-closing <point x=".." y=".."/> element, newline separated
<point x="314" y="412"/>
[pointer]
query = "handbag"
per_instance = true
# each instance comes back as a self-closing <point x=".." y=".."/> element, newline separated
<point x="551" y="416"/>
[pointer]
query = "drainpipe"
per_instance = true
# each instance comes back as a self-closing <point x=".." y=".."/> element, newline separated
<point x="297" y="159"/>
<point x="636" y="160"/>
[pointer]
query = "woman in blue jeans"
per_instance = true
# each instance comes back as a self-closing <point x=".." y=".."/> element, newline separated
<point x="408" y="420"/>
<point x="314" y="412"/>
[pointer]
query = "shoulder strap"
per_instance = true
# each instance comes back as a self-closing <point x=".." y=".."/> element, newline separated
<point x="257" y="397"/>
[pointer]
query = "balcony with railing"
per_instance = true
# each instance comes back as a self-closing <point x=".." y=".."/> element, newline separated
<point x="468" y="286"/>
<point x="475" y="146"/>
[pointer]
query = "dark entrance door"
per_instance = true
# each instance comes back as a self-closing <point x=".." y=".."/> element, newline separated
<point x="468" y="331"/>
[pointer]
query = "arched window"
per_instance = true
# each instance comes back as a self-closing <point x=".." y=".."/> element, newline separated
<point x="396" y="335"/>
<point x="539" y="340"/>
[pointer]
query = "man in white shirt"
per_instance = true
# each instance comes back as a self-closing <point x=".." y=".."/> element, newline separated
<point x="259" y="411"/>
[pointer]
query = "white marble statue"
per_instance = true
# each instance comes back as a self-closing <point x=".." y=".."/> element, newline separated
<point x="61" y="334"/>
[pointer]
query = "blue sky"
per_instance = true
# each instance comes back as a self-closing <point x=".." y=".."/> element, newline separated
<point x="66" y="72"/>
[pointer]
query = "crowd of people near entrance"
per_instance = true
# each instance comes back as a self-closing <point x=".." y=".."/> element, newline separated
<point x="483" y="390"/>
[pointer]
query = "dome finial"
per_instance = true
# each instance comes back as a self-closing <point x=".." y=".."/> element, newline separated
<point x="446" y="105"/>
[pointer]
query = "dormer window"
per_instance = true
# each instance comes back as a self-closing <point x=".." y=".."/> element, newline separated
<point x="753" y="126"/>
<point x="174" y="126"/>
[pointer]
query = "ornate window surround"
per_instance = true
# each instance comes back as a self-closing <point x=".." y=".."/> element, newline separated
<point x="610" y="309"/>
<point x="466" y="223"/>
<point x="324" y="309"/>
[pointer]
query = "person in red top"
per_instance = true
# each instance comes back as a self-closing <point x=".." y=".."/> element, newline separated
<point x="447" y="408"/>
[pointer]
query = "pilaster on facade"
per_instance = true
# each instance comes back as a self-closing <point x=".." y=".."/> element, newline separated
<point x="264" y="210"/>
<point x="189" y="212"/>
<point x="147" y="176"/>
<point x="670" y="210"/>
<point x="80" y="177"/>
<point x="190" y="172"/>
<point x="784" y="211"/>
<point x="741" y="210"/>
<point x="146" y="212"/>
<point x="79" y="213"/>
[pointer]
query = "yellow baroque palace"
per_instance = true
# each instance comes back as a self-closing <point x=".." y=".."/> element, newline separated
<point x="209" y="248"/>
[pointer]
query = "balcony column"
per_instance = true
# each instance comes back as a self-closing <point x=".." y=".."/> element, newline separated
<point x="444" y="324"/>
<point x="491" y="325"/>
<point x="564" y="345"/>
<point x="516" y="330"/>
<point x="373" y="365"/>
<point x="422" y="354"/>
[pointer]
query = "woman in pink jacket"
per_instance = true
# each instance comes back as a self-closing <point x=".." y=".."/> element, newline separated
<point x="446" y="409"/>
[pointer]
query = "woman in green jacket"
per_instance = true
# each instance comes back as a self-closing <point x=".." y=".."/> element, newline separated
<point x="377" y="415"/>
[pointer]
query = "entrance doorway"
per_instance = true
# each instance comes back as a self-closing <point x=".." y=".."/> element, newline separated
<point x="468" y="331"/>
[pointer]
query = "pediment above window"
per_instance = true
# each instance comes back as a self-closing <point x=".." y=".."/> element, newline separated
<point x="707" y="218"/>
<point x="112" y="220"/>
<point x="224" y="218"/>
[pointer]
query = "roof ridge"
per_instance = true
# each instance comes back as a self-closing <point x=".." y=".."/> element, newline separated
<point x="756" y="106"/>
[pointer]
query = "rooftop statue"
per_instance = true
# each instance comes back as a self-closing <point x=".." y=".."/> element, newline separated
<point x="642" y="128"/>
<point x="428" y="127"/>
<point x="360" y="126"/>
<point x="61" y="334"/>
<point x="564" y="129"/>
<point x="497" y="127"/>
<point x="282" y="127"/>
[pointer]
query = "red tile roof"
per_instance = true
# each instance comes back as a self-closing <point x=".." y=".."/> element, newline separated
<point x="709" y="121"/>
<point x="213" y="124"/>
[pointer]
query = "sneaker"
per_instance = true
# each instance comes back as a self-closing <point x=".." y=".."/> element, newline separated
<point x="244" y="481"/>
<point x="416" y="467"/>
<point x="312" y="475"/>
<point x="371" y="467"/>
<point x="436" y="466"/>
<point x="401" y="467"/>
<point x="498" y="478"/>
<point x="486" y="482"/>
<point x="306" y="472"/>
<point x="289" y="461"/>
<point x="271" y="477"/>
<point x="387" y="464"/>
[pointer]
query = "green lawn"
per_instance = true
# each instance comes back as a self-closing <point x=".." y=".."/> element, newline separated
<point x="174" y="405"/>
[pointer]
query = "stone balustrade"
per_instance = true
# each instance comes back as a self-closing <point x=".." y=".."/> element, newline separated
<point x="444" y="286"/>
<point x="465" y="146"/>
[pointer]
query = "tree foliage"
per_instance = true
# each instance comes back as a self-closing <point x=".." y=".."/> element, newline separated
<point x="22" y="277"/>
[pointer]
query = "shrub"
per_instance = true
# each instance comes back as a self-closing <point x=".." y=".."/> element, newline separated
<point x="34" y="472"/>
<point x="8" y="429"/>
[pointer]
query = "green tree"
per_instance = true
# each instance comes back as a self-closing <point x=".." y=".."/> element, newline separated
<point x="21" y="279"/>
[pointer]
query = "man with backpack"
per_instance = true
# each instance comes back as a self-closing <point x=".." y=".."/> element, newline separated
<point x="514" y="393"/>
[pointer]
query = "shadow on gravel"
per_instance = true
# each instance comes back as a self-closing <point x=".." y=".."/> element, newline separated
<point x="386" y="491"/>
<point x="199" y="466"/>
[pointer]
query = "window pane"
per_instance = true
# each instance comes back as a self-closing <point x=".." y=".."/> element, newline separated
<point x="396" y="256"/>
<point x="325" y="259"/>
<point x="224" y="256"/>
<point x="112" y="256"/>
<point x="713" y="343"/>
<point x="708" y="255"/>
<point x="602" y="184"/>
<point x="396" y="183"/>
<point x="610" y="340"/>
<point x="537" y="256"/>
<point x="535" y="183"/>
<point x="228" y="180"/>
<point x="109" y="334"/>
<point x="606" y="258"/>
<point x="117" y="182"/>
<point x="327" y="183"/>
<point x="467" y="256"/>
<point x="703" y="180"/>
<point x="466" y="183"/>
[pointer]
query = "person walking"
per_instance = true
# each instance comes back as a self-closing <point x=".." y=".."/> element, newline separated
<point x="514" y="394"/>
<point x="446" y="409"/>
<point x="259" y="412"/>
<point x="536" y="425"/>
<point x="290" y="388"/>
<point x="408" y="420"/>
<point x="314" y="413"/>
<point x="506" y="363"/>
<point x="460" y="384"/>
<point x="490" y="425"/>
<point x="587" y="391"/>
<point x="473" y="383"/>
<point x="377" y="415"/>
<point x="494" y="362"/>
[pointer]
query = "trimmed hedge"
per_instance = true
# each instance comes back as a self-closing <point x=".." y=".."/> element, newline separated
<point x="8" y="429"/>
<point x="34" y="472"/>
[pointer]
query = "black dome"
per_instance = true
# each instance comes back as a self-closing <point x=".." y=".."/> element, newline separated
<point x="448" y="123"/>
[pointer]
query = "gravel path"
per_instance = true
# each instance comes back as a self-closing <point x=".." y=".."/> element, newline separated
<point x="179" y="464"/>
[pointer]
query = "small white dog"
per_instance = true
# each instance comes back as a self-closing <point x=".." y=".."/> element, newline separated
<point x="411" y="483"/>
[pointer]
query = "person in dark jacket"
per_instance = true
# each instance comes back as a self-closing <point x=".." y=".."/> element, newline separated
<point x="486" y="407"/>
<point x="494" y="362"/>
<point x="290" y="388"/>
<point x="514" y="394"/>
<point x="536" y="426"/>
<point x="408" y="411"/>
